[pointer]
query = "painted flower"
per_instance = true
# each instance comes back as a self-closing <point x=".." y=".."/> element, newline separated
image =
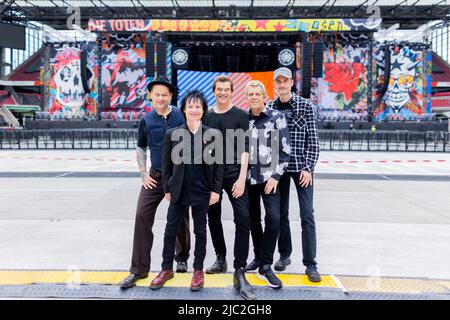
<point x="343" y="77"/>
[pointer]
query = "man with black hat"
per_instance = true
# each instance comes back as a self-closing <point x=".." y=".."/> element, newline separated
<point x="151" y="132"/>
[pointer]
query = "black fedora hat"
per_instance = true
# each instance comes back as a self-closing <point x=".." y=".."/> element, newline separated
<point x="161" y="80"/>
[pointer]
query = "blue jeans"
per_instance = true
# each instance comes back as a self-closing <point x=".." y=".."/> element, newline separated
<point x="305" y="199"/>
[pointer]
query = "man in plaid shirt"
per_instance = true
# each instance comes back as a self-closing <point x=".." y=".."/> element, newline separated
<point x="301" y="116"/>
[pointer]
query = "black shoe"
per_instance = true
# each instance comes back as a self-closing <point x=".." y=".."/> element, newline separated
<point x="131" y="279"/>
<point x="219" y="266"/>
<point x="182" y="267"/>
<point x="241" y="284"/>
<point x="313" y="274"/>
<point x="265" y="273"/>
<point x="252" y="265"/>
<point x="281" y="264"/>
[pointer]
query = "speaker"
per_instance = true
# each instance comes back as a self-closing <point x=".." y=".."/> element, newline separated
<point x="180" y="58"/>
<point x="306" y="69"/>
<point x="286" y="57"/>
<point x="84" y="71"/>
<point x="161" y="59"/>
<point x="317" y="50"/>
<point x="150" y="59"/>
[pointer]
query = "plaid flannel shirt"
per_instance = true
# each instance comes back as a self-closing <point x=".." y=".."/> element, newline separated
<point x="302" y="123"/>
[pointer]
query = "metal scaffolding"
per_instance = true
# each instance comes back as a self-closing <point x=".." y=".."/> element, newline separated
<point x="408" y="14"/>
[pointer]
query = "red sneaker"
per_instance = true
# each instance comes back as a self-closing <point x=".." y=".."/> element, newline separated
<point x="197" y="280"/>
<point x="161" y="279"/>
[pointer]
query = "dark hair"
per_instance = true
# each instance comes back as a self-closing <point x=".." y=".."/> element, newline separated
<point x="222" y="79"/>
<point x="194" y="95"/>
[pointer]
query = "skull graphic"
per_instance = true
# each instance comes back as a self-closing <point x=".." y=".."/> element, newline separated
<point x="401" y="81"/>
<point x="70" y="92"/>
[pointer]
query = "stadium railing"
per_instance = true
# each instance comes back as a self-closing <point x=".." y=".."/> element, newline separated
<point x="338" y="140"/>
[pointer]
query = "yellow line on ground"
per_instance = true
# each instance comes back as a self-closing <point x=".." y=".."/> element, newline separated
<point x="15" y="277"/>
<point x="391" y="285"/>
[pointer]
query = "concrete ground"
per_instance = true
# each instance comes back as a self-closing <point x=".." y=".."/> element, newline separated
<point x="377" y="214"/>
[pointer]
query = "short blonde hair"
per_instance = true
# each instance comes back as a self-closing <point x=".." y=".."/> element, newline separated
<point x="256" y="83"/>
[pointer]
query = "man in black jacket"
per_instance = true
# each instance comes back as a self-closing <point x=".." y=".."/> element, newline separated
<point x="190" y="179"/>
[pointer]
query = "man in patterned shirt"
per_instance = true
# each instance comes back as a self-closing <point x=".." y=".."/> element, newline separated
<point x="269" y="158"/>
<point x="301" y="116"/>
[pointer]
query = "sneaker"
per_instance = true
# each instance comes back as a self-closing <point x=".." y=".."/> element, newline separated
<point x="281" y="264"/>
<point x="219" y="266"/>
<point x="266" y="274"/>
<point x="313" y="274"/>
<point x="182" y="267"/>
<point x="252" y="265"/>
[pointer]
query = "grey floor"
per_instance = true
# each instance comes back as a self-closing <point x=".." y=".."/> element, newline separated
<point x="365" y="226"/>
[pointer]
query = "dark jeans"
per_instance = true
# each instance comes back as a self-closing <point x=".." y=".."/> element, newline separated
<point x="175" y="216"/>
<point x="241" y="222"/>
<point x="264" y="242"/>
<point x="305" y="199"/>
<point x="148" y="202"/>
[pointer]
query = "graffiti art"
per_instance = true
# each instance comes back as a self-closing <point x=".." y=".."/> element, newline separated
<point x="67" y="95"/>
<point x="124" y="81"/>
<point x="404" y="95"/>
<point x="343" y="86"/>
<point x="272" y="25"/>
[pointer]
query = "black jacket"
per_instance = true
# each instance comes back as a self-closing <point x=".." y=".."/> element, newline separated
<point x="173" y="174"/>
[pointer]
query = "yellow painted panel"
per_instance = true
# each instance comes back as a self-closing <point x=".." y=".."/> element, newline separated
<point x="180" y="279"/>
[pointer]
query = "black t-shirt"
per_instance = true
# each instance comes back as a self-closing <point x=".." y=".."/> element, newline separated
<point x="284" y="105"/>
<point x="234" y="118"/>
<point x="195" y="186"/>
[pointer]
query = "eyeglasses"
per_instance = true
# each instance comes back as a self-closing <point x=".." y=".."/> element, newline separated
<point x="402" y="80"/>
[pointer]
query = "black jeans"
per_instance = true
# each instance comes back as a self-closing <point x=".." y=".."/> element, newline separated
<point x="175" y="216"/>
<point x="264" y="242"/>
<point x="305" y="199"/>
<point x="148" y="202"/>
<point x="241" y="222"/>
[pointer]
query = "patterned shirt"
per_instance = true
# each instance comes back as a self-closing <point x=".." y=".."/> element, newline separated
<point x="302" y="123"/>
<point x="269" y="146"/>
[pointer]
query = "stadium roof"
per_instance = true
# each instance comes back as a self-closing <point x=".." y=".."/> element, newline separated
<point x="408" y="13"/>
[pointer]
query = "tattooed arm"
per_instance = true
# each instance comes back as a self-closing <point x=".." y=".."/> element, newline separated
<point x="141" y="156"/>
<point x="147" y="181"/>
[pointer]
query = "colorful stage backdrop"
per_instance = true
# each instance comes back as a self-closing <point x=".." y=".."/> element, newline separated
<point x="404" y="96"/>
<point x="201" y="80"/>
<point x="343" y="85"/>
<point x="342" y="90"/>
<point x="273" y="25"/>
<point x="66" y="93"/>
<point x="124" y="82"/>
